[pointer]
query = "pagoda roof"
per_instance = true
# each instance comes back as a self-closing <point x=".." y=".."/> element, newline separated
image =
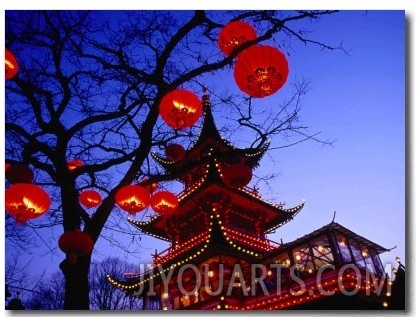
<point x="336" y="227"/>
<point x="209" y="136"/>
<point x="191" y="208"/>
<point x="217" y="240"/>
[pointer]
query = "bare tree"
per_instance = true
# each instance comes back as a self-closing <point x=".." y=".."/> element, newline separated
<point x="89" y="86"/>
<point x="49" y="294"/>
<point x="103" y="296"/>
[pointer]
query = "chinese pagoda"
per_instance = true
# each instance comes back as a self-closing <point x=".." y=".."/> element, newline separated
<point x="220" y="257"/>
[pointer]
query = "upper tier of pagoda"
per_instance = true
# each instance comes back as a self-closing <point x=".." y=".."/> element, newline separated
<point x="202" y="169"/>
<point x="208" y="146"/>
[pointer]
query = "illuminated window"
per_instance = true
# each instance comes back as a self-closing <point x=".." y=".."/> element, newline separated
<point x="322" y="252"/>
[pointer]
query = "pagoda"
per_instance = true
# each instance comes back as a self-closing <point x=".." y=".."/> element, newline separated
<point x="220" y="257"/>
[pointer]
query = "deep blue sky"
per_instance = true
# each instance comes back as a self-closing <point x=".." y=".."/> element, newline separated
<point x="356" y="99"/>
<point x="359" y="101"/>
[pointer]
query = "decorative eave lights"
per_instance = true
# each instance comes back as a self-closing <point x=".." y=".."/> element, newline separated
<point x="143" y="224"/>
<point x="252" y="241"/>
<point x="314" y="289"/>
<point x="184" y="247"/>
<point x="257" y="196"/>
<point x="228" y="238"/>
<point x="196" y="185"/>
<point x="124" y="287"/>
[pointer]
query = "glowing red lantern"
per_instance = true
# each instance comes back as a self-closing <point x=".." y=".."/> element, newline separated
<point x="180" y="108"/>
<point x="19" y="173"/>
<point x="234" y="34"/>
<point x="132" y="198"/>
<point x="164" y="202"/>
<point x="90" y="198"/>
<point x="74" y="164"/>
<point x="26" y="201"/>
<point x="175" y="152"/>
<point x="11" y="67"/>
<point x="261" y="71"/>
<point x="237" y="175"/>
<point x="75" y="243"/>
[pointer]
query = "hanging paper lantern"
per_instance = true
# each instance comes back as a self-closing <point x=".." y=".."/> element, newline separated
<point x="132" y="198"/>
<point x="151" y="187"/>
<point x="175" y="152"/>
<point x="19" y="173"/>
<point x="180" y="108"/>
<point x="74" y="164"/>
<point x="26" y="201"/>
<point x="164" y="202"/>
<point x="234" y="34"/>
<point x="90" y="198"/>
<point x="75" y="243"/>
<point x="11" y="67"/>
<point x="237" y="175"/>
<point x="261" y="71"/>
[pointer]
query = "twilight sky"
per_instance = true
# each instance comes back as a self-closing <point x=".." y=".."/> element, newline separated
<point x="358" y="100"/>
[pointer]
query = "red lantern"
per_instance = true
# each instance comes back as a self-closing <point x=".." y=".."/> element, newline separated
<point x="90" y="198"/>
<point x="151" y="187"/>
<point x="234" y="34"/>
<point x="261" y="71"/>
<point x="11" y="67"/>
<point x="164" y="202"/>
<point x="19" y="173"/>
<point x="237" y="175"/>
<point x="132" y="198"/>
<point x="26" y="201"/>
<point x="74" y="164"/>
<point x="175" y="152"/>
<point x="180" y="108"/>
<point x="75" y="243"/>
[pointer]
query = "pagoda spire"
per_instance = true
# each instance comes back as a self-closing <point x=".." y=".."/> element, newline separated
<point x="209" y="129"/>
<point x="209" y="137"/>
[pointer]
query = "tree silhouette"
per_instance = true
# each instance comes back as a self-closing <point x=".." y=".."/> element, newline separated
<point x="89" y="85"/>
<point x="103" y="296"/>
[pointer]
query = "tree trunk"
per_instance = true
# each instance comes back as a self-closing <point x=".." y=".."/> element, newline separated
<point x="76" y="283"/>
